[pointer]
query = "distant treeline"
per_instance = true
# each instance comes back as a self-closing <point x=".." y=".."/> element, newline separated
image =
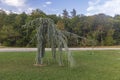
<point x="98" y="30"/>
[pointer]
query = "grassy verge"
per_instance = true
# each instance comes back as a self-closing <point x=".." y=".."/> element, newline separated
<point x="107" y="46"/>
<point x="100" y="65"/>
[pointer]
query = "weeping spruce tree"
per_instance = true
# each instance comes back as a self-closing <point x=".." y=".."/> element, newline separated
<point x="47" y="33"/>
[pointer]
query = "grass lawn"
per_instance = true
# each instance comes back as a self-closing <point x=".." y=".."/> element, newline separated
<point x="100" y="65"/>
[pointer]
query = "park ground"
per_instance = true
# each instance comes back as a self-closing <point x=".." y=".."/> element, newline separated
<point x="19" y="49"/>
<point x="89" y="65"/>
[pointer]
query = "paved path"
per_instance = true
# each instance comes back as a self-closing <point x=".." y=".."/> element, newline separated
<point x="48" y="49"/>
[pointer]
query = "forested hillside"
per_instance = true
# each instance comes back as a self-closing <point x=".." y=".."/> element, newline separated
<point x="100" y="29"/>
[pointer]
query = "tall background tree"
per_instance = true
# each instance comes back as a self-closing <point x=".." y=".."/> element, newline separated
<point x="65" y="14"/>
<point x="73" y="13"/>
<point x="103" y="29"/>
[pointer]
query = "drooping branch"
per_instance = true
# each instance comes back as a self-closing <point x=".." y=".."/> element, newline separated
<point x="47" y="33"/>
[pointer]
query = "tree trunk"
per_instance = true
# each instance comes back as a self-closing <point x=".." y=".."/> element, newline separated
<point x="54" y="52"/>
<point x="40" y="54"/>
<point x="60" y="56"/>
<point x="41" y="51"/>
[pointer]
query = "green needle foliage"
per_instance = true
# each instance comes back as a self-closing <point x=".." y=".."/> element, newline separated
<point x="48" y="33"/>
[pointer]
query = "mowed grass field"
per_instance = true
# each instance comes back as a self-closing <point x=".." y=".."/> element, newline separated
<point x="97" y="65"/>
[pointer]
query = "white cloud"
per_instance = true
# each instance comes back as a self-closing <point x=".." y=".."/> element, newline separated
<point x="109" y="7"/>
<point x="16" y="6"/>
<point x="29" y="10"/>
<point x="44" y="5"/>
<point x="5" y="10"/>
<point x="48" y="2"/>
<point x="92" y="4"/>
<point x="15" y="3"/>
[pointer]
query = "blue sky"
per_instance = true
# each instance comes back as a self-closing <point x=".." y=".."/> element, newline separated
<point x="87" y="7"/>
